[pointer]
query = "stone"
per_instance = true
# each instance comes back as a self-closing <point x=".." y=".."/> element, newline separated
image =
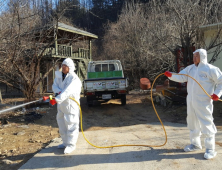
<point x="6" y="161"/>
<point x="23" y="126"/>
<point x="20" y="133"/>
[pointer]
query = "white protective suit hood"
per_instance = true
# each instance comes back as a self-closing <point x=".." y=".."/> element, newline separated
<point x="203" y="55"/>
<point x="69" y="62"/>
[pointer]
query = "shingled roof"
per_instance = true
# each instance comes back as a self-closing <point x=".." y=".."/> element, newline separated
<point x="68" y="28"/>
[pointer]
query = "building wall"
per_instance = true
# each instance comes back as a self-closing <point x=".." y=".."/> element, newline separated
<point x="209" y="35"/>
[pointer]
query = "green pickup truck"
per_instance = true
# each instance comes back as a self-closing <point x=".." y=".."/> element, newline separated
<point x="105" y="81"/>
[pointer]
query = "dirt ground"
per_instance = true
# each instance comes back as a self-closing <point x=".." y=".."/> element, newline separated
<point x="25" y="132"/>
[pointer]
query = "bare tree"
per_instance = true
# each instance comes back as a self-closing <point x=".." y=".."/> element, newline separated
<point x="146" y="36"/>
<point x="181" y="21"/>
<point x="26" y="36"/>
<point x="131" y="40"/>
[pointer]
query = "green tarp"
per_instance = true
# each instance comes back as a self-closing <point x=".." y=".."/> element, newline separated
<point x="105" y="74"/>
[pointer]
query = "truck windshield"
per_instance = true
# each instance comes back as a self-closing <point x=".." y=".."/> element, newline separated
<point x="104" y="67"/>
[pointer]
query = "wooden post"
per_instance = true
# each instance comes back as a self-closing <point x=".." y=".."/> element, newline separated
<point x="40" y="86"/>
<point x="55" y="38"/>
<point x="0" y="96"/>
<point x="90" y="53"/>
<point x="78" y="68"/>
<point x="53" y="71"/>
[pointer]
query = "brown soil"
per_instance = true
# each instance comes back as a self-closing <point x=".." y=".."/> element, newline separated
<point x="24" y="133"/>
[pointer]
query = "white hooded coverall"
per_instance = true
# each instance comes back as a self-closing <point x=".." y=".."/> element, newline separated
<point x="199" y="105"/>
<point x="68" y="110"/>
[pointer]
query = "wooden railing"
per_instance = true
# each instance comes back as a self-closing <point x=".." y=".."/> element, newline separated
<point x="49" y="51"/>
<point x="81" y="53"/>
<point x="64" y="50"/>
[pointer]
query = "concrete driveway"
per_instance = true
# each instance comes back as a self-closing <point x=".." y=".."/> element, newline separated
<point x="171" y="156"/>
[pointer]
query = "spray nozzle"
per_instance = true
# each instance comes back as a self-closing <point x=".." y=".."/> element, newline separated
<point x="45" y="98"/>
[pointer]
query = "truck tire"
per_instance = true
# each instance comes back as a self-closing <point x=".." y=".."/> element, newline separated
<point x="89" y="101"/>
<point x="90" y="104"/>
<point x="123" y="99"/>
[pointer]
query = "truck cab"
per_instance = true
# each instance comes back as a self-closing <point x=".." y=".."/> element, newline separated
<point x="105" y="81"/>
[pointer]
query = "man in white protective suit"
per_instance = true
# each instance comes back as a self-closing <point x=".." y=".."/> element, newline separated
<point x="67" y="84"/>
<point x="199" y="105"/>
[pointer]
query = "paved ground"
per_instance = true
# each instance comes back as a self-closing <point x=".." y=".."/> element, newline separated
<point x="168" y="157"/>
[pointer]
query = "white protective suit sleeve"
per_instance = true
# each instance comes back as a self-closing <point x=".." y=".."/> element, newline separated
<point x="55" y="87"/>
<point x="74" y="87"/>
<point x="181" y="78"/>
<point x="217" y="78"/>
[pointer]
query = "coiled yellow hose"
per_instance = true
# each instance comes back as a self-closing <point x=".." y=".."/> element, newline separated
<point x="154" y="110"/>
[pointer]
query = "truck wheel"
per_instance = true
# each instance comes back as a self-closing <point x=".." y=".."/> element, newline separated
<point x="89" y="101"/>
<point x="90" y="104"/>
<point x="123" y="99"/>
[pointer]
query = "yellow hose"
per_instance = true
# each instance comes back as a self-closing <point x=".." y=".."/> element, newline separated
<point x="154" y="110"/>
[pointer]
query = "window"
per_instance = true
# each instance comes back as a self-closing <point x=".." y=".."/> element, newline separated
<point x="104" y="67"/>
<point x="98" y="68"/>
<point x="111" y="67"/>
